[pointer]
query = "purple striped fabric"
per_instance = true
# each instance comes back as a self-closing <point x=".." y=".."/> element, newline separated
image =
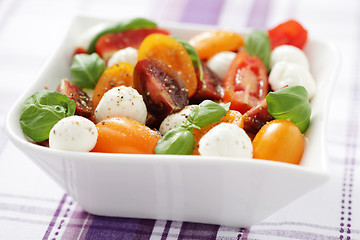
<point x="351" y="146"/>
<point x="202" y="11"/>
<point x="258" y="14"/>
<point x="56" y="215"/>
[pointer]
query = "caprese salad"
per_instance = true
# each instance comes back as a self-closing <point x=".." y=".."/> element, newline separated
<point x="136" y="88"/>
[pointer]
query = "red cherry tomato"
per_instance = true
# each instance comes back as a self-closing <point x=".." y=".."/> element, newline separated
<point x="246" y="82"/>
<point x="83" y="102"/>
<point x="110" y="43"/>
<point x="290" y="33"/>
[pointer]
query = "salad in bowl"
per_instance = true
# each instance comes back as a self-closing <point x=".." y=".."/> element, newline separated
<point x="136" y="119"/>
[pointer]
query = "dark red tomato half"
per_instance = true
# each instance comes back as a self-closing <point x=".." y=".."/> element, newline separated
<point x="290" y="33"/>
<point x="162" y="88"/>
<point x="82" y="101"/>
<point x="112" y="42"/>
<point x="246" y="82"/>
<point x="210" y="87"/>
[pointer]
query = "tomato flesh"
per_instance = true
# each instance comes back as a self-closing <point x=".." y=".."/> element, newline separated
<point x="83" y="102"/>
<point x="246" y="82"/>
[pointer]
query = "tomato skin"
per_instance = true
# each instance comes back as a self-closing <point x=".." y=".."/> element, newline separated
<point x="246" y="82"/>
<point x="290" y="33"/>
<point x="112" y="42"/>
<point x="207" y="44"/>
<point x="124" y="135"/>
<point x="279" y="140"/>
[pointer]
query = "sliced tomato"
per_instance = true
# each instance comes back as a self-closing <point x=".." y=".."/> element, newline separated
<point x="82" y="100"/>
<point x="80" y="50"/>
<point x="210" y="87"/>
<point x="290" y="33"/>
<point x="246" y="82"/>
<point x="112" y="42"/>
<point x="162" y="88"/>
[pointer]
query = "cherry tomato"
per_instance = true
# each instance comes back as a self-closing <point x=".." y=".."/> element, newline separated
<point x="116" y="75"/>
<point x="80" y="50"/>
<point x="279" y="140"/>
<point x="124" y="135"/>
<point x="207" y="44"/>
<point x="290" y="33"/>
<point x="173" y="53"/>
<point x="112" y="42"/>
<point x="231" y="116"/>
<point x="246" y="82"/>
<point x="210" y="87"/>
<point x="83" y="102"/>
<point x="162" y="88"/>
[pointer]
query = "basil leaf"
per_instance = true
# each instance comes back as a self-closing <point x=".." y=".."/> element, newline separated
<point x="193" y="55"/>
<point x="258" y="44"/>
<point x="86" y="70"/>
<point x="135" y="23"/>
<point x="290" y="103"/>
<point x="207" y="113"/>
<point x="41" y="111"/>
<point x="179" y="141"/>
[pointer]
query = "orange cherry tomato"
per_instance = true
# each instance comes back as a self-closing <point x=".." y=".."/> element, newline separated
<point x="290" y="32"/>
<point x="207" y="44"/>
<point x="246" y="82"/>
<point x="124" y="135"/>
<point x="117" y="75"/>
<point x="279" y="140"/>
<point x="231" y="116"/>
<point x="173" y="53"/>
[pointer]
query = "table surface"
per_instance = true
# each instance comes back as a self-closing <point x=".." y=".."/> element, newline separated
<point x="32" y="206"/>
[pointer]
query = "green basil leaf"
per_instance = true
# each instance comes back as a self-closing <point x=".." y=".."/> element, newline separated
<point x="257" y="44"/>
<point x="206" y="113"/>
<point x="193" y="55"/>
<point x="41" y="111"/>
<point x="179" y="141"/>
<point x="290" y="103"/>
<point x="86" y="70"/>
<point x="135" y="23"/>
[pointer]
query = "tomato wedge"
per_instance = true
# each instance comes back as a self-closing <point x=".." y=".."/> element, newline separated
<point x="246" y="82"/>
<point x="290" y="33"/>
<point x="112" y="42"/>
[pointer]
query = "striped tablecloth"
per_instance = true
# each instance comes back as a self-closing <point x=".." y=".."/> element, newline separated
<point x="33" y="207"/>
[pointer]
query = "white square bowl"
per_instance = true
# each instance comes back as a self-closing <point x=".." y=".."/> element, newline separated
<point x="215" y="190"/>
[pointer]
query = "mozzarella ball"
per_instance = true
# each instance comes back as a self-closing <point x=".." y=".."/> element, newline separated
<point x="288" y="74"/>
<point x="226" y="140"/>
<point x="73" y="133"/>
<point x="85" y="38"/>
<point x="175" y="119"/>
<point x="128" y="55"/>
<point x="121" y="102"/>
<point x="289" y="54"/>
<point x="220" y="63"/>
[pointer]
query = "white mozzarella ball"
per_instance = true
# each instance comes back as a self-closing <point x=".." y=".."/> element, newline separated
<point x="128" y="55"/>
<point x="220" y="63"/>
<point x="226" y="140"/>
<point x="288" y="74"/>
<point x="289" y="54"/>
<point x="85" y="38"/>
<point x="73" y="133"/>
<point x="175" y="119"/>
<point x="121" y="102"/>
